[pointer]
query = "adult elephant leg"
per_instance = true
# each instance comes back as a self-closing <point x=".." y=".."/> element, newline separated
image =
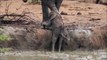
<point x="58" y="3"/>
<point x="52" y="6"/>
<point x="45" y="10"/>
<point x="97" y="1"/>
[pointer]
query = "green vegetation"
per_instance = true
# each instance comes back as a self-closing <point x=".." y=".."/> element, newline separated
<point x="5" y="49"/>
<point x="5" y="38"/>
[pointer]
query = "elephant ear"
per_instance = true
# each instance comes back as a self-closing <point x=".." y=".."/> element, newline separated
<point x="25" y="1"/>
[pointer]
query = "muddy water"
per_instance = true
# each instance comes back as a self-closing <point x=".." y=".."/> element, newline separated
<point x="9" y="57"/>
<point x="29" y="58"/>
<point x="23" y="58"/>
<point x="74" y="55"/>
<point x="17" y="58"/>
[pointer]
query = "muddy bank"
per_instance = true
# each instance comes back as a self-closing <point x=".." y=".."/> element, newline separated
<point x="85" y="22"/>
<point x="32" y="37"/>
<point x="24" y="36"/>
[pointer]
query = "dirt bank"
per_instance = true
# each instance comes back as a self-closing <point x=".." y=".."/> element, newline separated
<point x="88" y="18"/>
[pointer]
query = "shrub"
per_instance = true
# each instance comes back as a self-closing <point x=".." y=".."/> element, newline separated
<point x="2" y="50"/>
<point x="5" y="37"/>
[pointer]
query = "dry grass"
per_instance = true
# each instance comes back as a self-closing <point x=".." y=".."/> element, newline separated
<point x="99" y="39"/>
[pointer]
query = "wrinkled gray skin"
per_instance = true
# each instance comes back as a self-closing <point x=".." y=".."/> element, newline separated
<point x="53" y="5"/>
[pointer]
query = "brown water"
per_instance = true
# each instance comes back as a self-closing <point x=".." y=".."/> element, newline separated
<point x="23" y="58"/>
<point x="38" y="55"/>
